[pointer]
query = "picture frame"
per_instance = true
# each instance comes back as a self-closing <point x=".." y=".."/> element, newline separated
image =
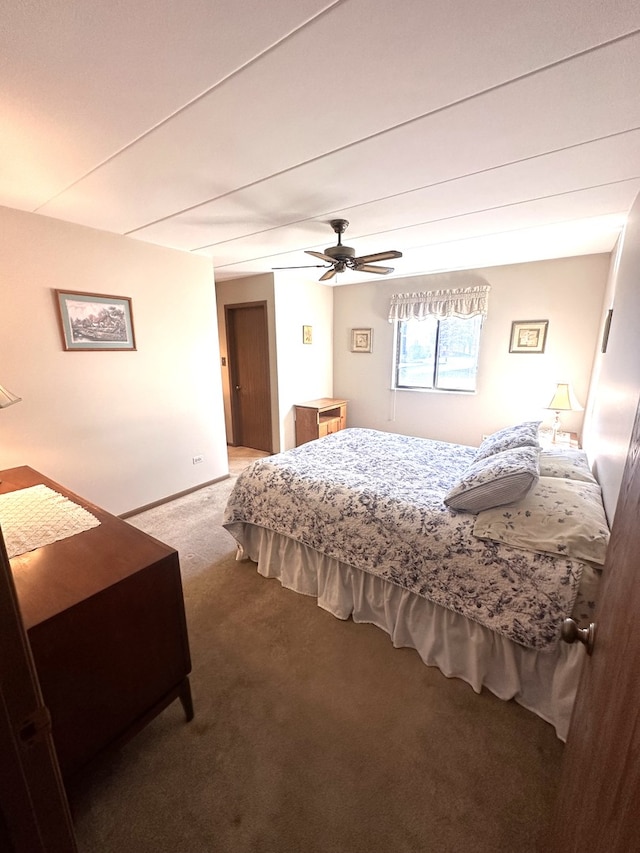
<point x="361" y="340"/>
<point x="606" y="330"/>
<point x="95" y="321"/>
<point x="307" y="334"/>
<point x="528" y="336"/>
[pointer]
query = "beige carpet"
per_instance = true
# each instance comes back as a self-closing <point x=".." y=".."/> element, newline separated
<point x="310" y="734"/>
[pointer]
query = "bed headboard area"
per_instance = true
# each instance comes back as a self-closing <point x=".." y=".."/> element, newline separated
<point x="615" y="386"/>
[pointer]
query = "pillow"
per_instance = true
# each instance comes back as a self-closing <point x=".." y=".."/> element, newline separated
<point x="561" y="517"/>
<point x="495" y="480"/>
<point x="520" y="435"/>
<point x="570" y="464"/>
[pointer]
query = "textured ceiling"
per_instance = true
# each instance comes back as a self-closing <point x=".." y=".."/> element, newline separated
<point x="462" y="134"/>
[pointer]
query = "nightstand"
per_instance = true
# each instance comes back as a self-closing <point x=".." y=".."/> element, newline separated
<point x="563" y="440"/>
<point x="318" y="418"/>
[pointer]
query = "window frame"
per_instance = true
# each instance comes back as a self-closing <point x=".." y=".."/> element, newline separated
<point x="433" y="388"/>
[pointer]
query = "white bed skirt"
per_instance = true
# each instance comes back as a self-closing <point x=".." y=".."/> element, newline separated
<point x="543" y="682"/>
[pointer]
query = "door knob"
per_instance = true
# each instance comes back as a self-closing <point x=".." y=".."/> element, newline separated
<point x="237" y="387"/>
<point x="572" y="634"/>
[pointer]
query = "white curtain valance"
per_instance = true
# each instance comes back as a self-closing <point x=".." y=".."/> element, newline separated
<point x="462" y="302"/>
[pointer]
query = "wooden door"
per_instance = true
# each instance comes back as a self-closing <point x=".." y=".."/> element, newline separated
<point x="248" y="352"/>
<point x="598" y="808"/>
<point x="34" y="814"/>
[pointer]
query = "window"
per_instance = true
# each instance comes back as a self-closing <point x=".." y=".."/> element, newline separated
<point x="438" y="337"/>
<point x="438" y="353"/>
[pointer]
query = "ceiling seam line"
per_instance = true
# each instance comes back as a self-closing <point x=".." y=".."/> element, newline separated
<point x="425" y="187"/>
<point x="436" y="111"/>
<point x="194" y="100"/>
<point x="460" y="216"/>
<point x="531" y="200"/>
<point x="439" y="243"/>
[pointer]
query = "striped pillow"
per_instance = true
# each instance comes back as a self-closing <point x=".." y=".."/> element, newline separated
<point x="495" y="480"/>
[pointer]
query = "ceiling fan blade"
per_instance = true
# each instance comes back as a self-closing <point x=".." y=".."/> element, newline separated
<point x="329" y="274"/>
<point x="369" y="268"/>
<point x="303" y="267"/>
<point x="322" y="257"/>
<point x="378" y="256"/>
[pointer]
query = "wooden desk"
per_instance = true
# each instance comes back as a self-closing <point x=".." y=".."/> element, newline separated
<point x="104" y="614"/>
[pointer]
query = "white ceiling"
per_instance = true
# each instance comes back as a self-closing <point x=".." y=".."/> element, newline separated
<point x="462" y="134"/>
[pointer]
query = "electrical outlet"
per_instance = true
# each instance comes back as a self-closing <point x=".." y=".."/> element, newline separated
<point x="198" y="459"/>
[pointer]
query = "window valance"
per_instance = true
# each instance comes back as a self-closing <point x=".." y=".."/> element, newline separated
<point x="461" y="302"/>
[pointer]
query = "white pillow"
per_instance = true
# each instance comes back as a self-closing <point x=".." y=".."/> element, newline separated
<point x="495" y="480"/>
<point x="519" y="435"/>
<point x="570" y="464"/>
<point x="558" y="516"/>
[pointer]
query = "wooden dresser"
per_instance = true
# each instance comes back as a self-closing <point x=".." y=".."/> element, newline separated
<point x="316" y="418"/>
<point x="104" y="614"/>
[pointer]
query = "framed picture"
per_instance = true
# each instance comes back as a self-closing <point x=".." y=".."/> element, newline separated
<point x="94" y="321"/>
<point x="361" y="340"/>
<point x="307" y="334"/>
<point x="607" y="329"/>
<point x="528" y="336"/>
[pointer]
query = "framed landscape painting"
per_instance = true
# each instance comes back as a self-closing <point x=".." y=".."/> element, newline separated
<point x="94" y="321"/>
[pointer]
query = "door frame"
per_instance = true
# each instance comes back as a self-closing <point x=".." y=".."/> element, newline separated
<point x="229" y="308"/>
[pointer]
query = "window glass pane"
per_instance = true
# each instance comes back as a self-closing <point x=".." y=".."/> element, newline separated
<point x="458" y="349"/>
<point x="415" y="365"/>
<point x="441" y="354"/>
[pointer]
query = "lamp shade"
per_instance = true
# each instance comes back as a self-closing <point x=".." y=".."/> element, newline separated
<point x="7" y="398"/>
<point x="564" y="400"/>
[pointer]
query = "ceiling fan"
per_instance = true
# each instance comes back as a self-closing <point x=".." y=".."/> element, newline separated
<point x="342" y="257"/>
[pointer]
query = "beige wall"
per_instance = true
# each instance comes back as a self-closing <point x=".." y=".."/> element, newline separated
<point x="119" y="428"/>
<point x="305" y="371"/>
<point x="567" y="292"/>
<point x="257" y="288"/>
<point x="616" y="376"/>
<point x="299" y="371"/>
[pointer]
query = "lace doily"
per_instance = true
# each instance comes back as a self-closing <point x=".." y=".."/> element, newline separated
<point x="37" y="516"/>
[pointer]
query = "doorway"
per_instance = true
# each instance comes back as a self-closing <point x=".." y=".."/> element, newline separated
<point x="249" y="375"/>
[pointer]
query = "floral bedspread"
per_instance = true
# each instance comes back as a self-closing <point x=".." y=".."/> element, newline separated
<point x="374" y="500"/>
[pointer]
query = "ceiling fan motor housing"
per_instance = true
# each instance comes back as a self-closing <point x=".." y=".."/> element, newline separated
<point x="340" y="253"/>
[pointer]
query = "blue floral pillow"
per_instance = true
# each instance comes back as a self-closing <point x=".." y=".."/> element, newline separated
<point x="498" y="479"/>
<point x="520" y="435"/>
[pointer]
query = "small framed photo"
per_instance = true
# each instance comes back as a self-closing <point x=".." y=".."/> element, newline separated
<point x="606" y="330"/>
<point x="361" y="340"/>
<point x="94" y="321"/>
<point x="307" y="334"/>
<point x="528" y="336"/>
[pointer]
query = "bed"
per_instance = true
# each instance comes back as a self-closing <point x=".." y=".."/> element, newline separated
<point x="472" y="556"/>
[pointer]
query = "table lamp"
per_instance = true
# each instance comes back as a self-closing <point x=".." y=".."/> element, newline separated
<point x="563" y="400"/>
